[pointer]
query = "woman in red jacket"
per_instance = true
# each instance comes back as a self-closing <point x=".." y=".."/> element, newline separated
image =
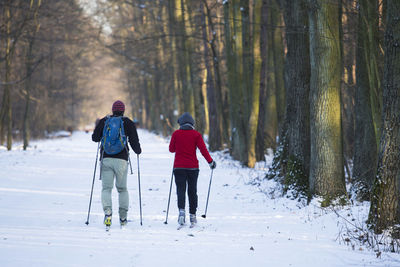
<point x="184" y="143"/>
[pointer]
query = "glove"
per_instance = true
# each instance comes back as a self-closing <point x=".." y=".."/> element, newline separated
<point x="213" y="165"/>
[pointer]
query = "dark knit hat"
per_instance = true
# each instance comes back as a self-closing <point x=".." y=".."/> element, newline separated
<point x="186" y="118"/>
<point x="118" y="106"/>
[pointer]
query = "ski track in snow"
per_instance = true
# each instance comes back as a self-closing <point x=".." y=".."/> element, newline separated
<point x="44" y="197"/>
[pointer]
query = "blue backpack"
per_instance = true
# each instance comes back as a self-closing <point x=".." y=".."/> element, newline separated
<point x="114" y="139"/>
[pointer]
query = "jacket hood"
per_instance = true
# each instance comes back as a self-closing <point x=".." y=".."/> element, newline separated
<point x="186" y="118"/>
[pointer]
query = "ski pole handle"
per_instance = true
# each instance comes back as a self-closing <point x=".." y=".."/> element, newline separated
<point x="130" y="163"/>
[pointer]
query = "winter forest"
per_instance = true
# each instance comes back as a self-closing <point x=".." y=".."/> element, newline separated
<point x="310" y="88"/>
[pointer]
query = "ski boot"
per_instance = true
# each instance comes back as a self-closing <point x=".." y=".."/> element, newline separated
<point x="107" y="221"/>
<point x="123" y="222"/>
<point x="193" y="220"/>
<point x="181" y="217"/>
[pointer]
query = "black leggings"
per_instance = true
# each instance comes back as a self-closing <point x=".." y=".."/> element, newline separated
<point x="183" y="176"/>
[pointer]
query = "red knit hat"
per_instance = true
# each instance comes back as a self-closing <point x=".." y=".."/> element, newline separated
<point x="118" y="106"/>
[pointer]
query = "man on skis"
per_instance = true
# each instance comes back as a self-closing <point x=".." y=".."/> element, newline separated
<point x="115" y="132"/>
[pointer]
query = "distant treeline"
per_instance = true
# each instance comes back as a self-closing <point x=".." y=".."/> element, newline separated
<point x="42" y="58"/>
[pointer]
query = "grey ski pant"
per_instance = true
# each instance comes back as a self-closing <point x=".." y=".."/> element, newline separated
<point x="117" y="168"/>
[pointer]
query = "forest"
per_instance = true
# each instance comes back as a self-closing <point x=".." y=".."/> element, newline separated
<point x="317" y="82"/>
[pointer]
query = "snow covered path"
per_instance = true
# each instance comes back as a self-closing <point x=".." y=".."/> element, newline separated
<point x="44" y="196"/>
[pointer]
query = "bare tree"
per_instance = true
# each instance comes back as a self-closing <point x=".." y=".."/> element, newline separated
<point x="326" y="162"/>
<point x="384" y="210"/>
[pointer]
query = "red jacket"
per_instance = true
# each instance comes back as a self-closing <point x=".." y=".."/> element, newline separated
<point x="184" y="143"/>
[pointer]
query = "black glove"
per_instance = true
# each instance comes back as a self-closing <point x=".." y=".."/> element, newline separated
<point x="213" y="165"/>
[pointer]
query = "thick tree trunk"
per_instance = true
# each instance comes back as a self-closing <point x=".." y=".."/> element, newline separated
<point x="384" y="211"/>
<point x="295" y="136"/>
<point x="326" y="162"/>
<point x="365" y="149"/>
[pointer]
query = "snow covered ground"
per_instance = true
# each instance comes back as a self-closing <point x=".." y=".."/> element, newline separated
<point x="44" y="197"/>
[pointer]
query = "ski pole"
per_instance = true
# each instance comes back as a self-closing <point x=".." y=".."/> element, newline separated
<point x="101" y="163"/>
<point x="130" y="163"/>
<point x="208" y="195"/>
<point x="169" y="197"/>
<point x="91" y="192"/>
<point x="140" y="194"/>
<point x="129" y="156"/>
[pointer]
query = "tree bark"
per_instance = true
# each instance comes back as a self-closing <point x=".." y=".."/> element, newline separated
<point x="214" y="129"/>
<point x="260" y="143"/>
<point x="255" y="96"/>
<point x="295" y="135"/>
<point x="234" y="54"/>
<point x="384" y="210"/>
<point x="326" y="162"/>
<point x="175" y="59"/>
<point x="213" y="71"/>
<point x="28" y="84"/>
<point x="7" y="90"/>
<point x="365" y="149"/>
<point x="278" y="53"/>
<point x="185" y="61"/>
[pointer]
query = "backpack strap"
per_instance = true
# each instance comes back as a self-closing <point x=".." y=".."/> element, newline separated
<point x="106" y="122"/>
<point x="122" y="132"/>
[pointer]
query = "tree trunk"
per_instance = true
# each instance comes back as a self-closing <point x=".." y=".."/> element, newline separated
<point x="348" y="51"/>
<point x="271" y="116"/>
<point x="28" y="85"/>
<point x="29" y="71"/>
<point x="293" y="162"/>
<point x="373" y="61"/>
<point x="234" y="55"/>
<point x="174" y="50"/>
<point x="384" y="210"/>
<point x="214" y="129"/>
<point x="278" y="53"/>
<point x="185" y="60"/>
<point x="246" y="78"/>
<point x="7" y="91"/>
<point x="205" y="101"/>
<point x="365" y="150"/>
<point x="209" y="36"/>
<point x="326" y="163"/>
<point x="255" y="97"/>
<point x="260" y="144"/>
